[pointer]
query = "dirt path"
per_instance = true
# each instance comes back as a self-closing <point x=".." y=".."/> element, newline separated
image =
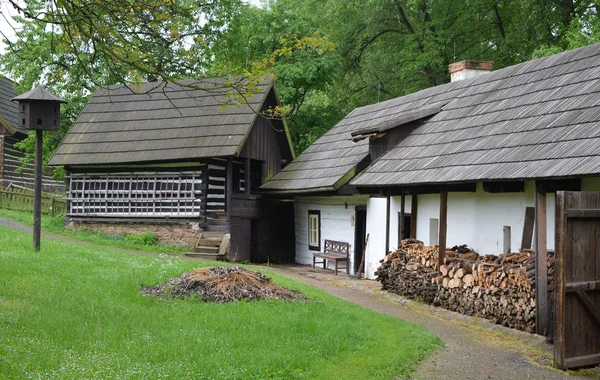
<point x="474" y="348"/>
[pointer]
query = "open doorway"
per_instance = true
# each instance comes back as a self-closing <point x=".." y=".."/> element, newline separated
<point x="360" y="232"/>
<point x="403" y="228"/>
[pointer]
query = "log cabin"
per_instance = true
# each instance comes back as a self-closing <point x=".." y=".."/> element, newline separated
<point x="182" y="161"/>
<point x="12" y="170"/>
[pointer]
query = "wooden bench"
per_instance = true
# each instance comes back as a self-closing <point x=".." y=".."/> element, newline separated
<point x="336" y="251"/>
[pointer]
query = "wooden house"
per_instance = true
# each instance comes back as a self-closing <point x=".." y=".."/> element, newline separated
<point x="12" y="171"/>
<point x="180" y="162"/>
<point x="468" y="162"/>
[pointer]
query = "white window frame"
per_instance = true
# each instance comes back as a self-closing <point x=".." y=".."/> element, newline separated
<point x="314" y="230"/>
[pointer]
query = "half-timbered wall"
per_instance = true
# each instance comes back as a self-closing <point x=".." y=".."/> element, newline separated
<point x="147" y="194"/>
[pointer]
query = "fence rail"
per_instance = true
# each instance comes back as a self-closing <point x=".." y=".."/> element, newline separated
<point x="22" y="200"/>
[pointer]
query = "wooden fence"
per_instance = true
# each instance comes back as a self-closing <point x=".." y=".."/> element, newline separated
<point x="21" y="199"/>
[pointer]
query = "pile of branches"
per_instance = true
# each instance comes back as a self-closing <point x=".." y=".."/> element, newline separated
<point x="500" y="288"/>
<point x="222" y="284"/>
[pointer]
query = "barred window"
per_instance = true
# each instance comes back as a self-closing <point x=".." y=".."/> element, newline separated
<point x="139" y="194"/>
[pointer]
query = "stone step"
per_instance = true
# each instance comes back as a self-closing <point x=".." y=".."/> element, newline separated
<point x="210" y="242"/>
<point x="212" y="235"/>
<point x="206" y="256"/>
<point x="216" y="222"/>
<point x="216" y="215"/>
<point x="206" y="249"/>
<point x="217" y="228"/>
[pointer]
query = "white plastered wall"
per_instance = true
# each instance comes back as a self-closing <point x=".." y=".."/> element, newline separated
<point x="337" y="223"/>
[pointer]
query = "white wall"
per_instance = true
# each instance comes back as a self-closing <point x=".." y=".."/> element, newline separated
<point x="376" y="221"/>
<point x="337" y="214"/>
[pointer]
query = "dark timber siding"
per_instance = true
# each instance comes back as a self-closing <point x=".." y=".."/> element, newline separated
<point x="262" y="146"/>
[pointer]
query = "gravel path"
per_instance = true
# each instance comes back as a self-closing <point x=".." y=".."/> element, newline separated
<point x="474" y="348"/>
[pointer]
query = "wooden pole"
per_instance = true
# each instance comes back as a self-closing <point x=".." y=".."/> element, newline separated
<point x="443" y="228"/>
<point x="413" y="216"/>
<point x="37" y="194"/>
<point x="541" y="263"/>
<point x="247" y="178"/>
<point x="401" y="221"/>
<point x="361" y="268"/>
<point x="387" y="223"/>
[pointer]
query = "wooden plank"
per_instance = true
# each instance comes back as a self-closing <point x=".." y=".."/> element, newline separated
<point x="401" y="221"/>
<point x="583" y="213"/>
<point x="442" y="228"/>
<point x="541" y="265"/>
<point x="387" y="222"/>
<point x="559" y="279"/>
<point x="589" y="304"/>
<point x="581" y="361"/>
<point x="528" y="224"/>
<point x="585" y="285"/>
<point x="413" y="216"/>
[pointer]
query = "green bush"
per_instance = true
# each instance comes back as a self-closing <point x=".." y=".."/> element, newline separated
<point x="145" y="238"/>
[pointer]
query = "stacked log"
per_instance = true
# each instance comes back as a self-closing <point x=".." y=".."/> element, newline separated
<point x="405" y="275"/>
<point x="500" y="288"/>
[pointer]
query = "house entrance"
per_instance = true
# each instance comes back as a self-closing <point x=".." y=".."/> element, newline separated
<point x="360" y="232"/>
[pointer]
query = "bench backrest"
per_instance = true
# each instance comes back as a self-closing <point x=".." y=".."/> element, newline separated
<point x="332" y="246"/>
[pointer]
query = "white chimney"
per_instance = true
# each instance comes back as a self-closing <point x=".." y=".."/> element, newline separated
<point x="469" y="69"/>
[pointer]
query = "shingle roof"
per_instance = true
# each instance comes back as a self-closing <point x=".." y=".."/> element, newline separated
<point x="39" y="93"/>
<point x="9" y="110"/>
<point x="159" y="122"/>
<point x="539" y="119"/>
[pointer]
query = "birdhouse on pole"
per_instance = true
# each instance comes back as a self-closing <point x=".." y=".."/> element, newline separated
<point x="39" y="110"/>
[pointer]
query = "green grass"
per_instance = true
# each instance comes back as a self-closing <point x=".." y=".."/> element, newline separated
<point x="56" y="225"/>
<point x="74" y="311"/>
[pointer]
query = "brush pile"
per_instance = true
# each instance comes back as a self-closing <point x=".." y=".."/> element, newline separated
<point x="500" y="288"/>
<point x="222" y="284"/>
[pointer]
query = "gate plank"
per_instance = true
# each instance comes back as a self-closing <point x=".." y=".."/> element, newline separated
<point x="587" y="301"/>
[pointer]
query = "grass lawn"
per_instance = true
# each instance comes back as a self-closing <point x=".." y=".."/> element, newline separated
<point x="56" y="225"/>
<point x="74" y="312"/>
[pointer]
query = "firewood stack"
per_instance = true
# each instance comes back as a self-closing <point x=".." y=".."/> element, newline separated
<point x="500" y="288"/>
<point x="405" y="275"/>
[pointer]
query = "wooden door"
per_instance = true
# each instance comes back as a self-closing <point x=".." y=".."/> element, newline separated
<point x="577" y="278"/>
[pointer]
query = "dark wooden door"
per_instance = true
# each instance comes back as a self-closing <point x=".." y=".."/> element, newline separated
<point x="360" y="233"/>
<point x="577" y="278"/>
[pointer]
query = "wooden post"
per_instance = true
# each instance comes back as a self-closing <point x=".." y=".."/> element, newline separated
<point x="247" y="175"/>
<point x="387" y="223"/>
<point x="541" y="263"/>
<point x="401" y="221"/>
<point x="528" y="224"/>
<point x="443" y="227"/>
<point x="413" y="216"/>
<point x="559" y="281"/>
<point x="37" y="195"/>
<point x="228" y="187"/>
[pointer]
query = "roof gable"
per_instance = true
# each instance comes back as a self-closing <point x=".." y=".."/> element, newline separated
<point x="154" y="122"/>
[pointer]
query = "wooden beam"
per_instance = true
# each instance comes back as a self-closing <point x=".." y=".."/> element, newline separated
<point x="247" y="179"/>
<point x="228" y="187"/>
<point x="401" y="221"/>
<point x="559" y="282"/>
<point x="387" y="223"/>
<point x="443" y="227"/>
<point x="528" y="224"/>
<point x="504" y="187"/>
<point x="541" y="263"/>
<point x="553" y="185"/>
<point x="413" y="216"/>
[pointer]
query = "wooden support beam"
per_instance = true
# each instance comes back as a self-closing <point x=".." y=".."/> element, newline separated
<point x="401" y="221"/>
<point x="504" y="187"/>
<point x="387" y="222"/>
<point x="443" y="228"/>
<point x="559" y="282"/>
<point x="541" y="263"/>
<point x="228" y="187"/>
<point x="413" y="216"/>
<point x="247" y="178"/>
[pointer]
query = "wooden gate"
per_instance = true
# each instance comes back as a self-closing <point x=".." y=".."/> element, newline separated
<point x="577" y="278"/>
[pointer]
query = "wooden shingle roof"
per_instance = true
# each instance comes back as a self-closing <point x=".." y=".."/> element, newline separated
<point x="159" y="122"/>
<point x="9" y="110"/>
<point x="539" y="119"/>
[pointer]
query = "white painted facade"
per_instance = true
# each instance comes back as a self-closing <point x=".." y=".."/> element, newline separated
<point x="476" y="219"/>
<point x="338" y="216"/>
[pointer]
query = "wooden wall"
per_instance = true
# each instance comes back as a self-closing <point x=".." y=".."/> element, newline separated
<point x="10" y="167"/>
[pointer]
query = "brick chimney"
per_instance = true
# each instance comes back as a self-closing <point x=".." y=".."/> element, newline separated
<point x="469" y="69"/>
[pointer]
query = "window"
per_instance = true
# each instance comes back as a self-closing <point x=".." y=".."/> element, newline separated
<point x="314" y="230"/>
